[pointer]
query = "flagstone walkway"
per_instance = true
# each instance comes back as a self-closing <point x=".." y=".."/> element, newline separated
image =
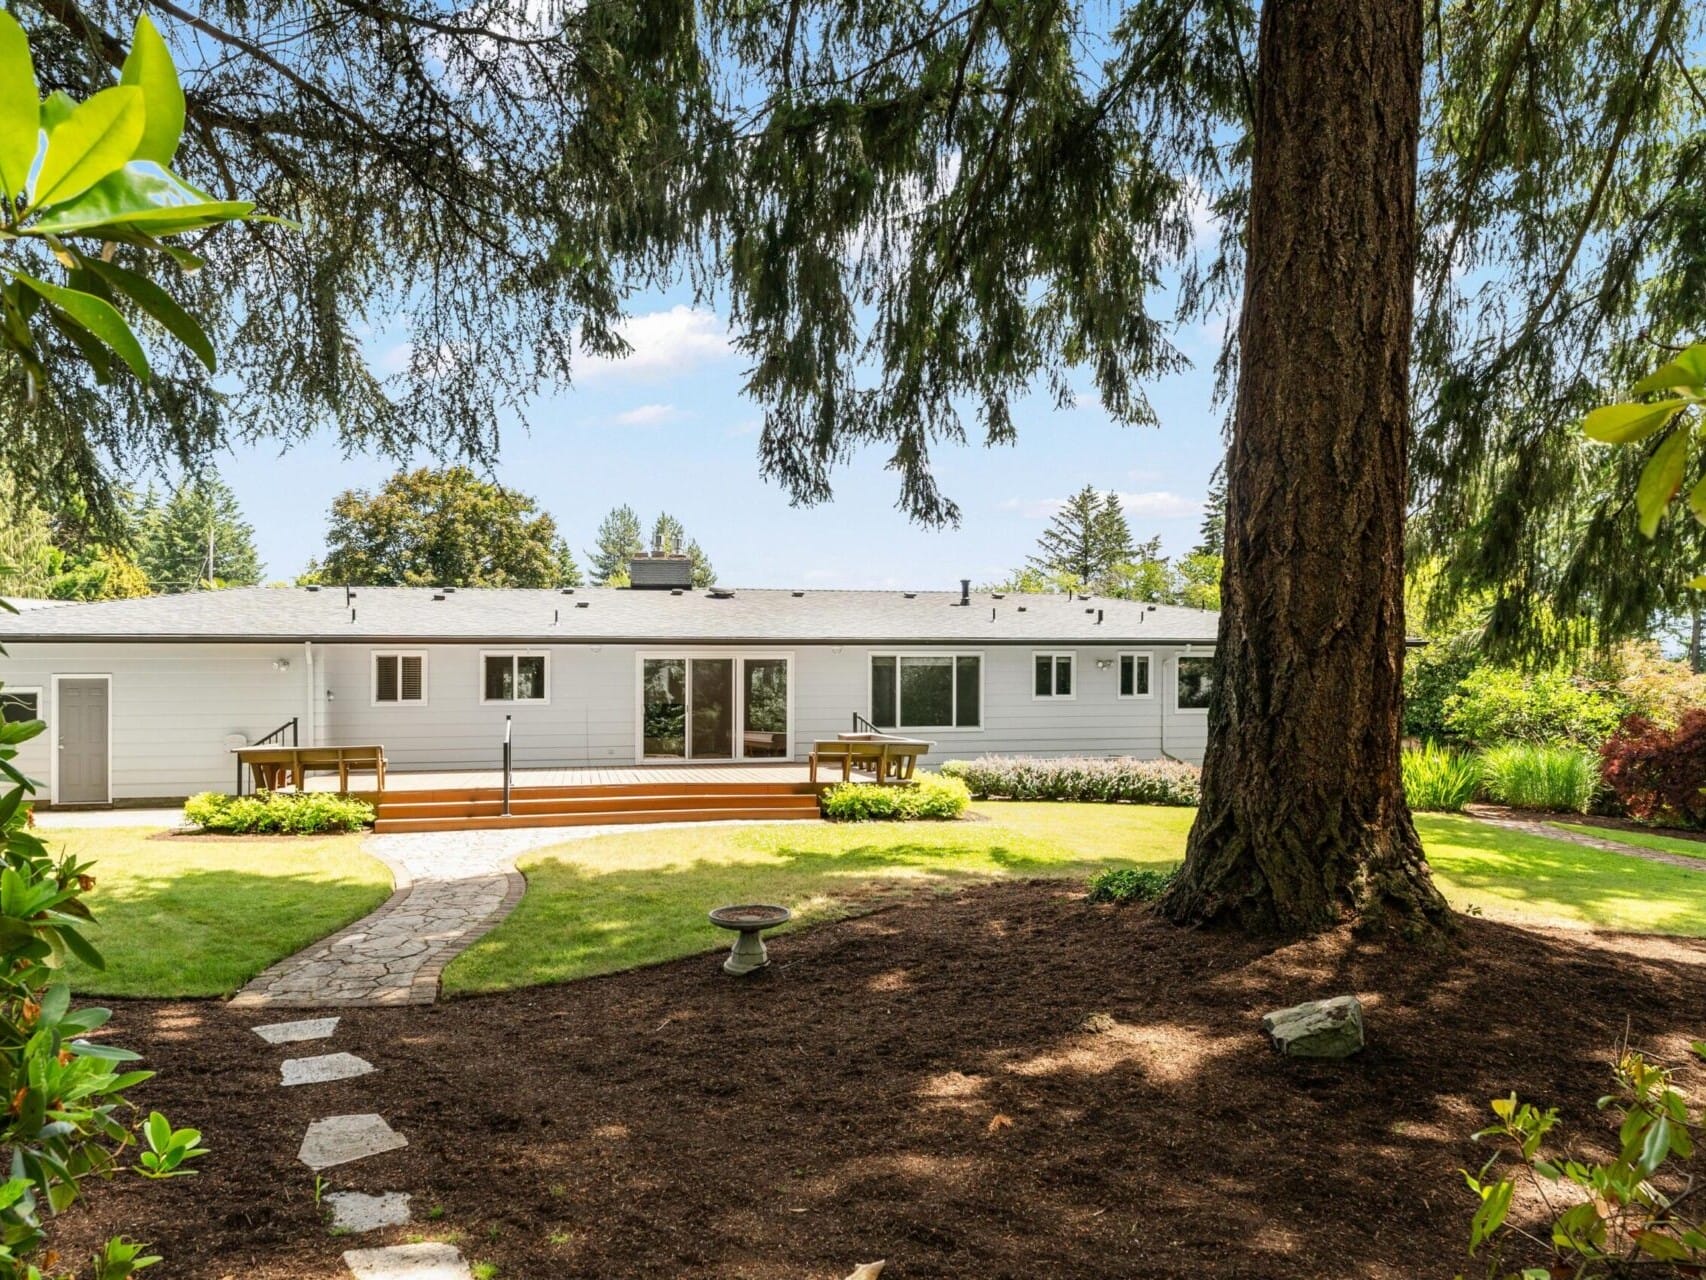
<point x="453" y="887"/>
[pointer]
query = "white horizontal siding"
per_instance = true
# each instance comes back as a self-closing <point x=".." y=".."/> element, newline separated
<point x="174" y="704"/>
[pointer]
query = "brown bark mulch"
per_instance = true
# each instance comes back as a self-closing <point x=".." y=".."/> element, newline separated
<point x="921" y="1085"/>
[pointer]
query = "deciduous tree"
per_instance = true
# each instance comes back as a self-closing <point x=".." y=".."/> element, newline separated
<point x="443" y="528"/>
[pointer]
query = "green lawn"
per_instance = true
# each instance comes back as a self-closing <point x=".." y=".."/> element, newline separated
<point x="1645" y="839"/>
<point x="202" y="917"/>
<point x="617" y="901"/>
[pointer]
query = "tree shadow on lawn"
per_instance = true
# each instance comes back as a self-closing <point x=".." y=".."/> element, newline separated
<point x="922" y="1085"/>
<point x="1494" y="868"/>
<point x="577" y="920"/>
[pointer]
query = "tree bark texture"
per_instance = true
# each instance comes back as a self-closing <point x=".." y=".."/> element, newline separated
<point x="1303" y="823"/>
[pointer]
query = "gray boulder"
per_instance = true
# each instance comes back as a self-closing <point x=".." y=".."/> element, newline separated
<point x="1317" y="1029"/>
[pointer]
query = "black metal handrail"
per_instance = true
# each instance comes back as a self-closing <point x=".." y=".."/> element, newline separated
<point x="507" y="765"/>
<point x="862" y="725"/>
<point x="276" y="737"/>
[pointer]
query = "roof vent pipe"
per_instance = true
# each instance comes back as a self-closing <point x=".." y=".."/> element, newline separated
<point x="1098" y="617"/>
<point x="965" y="591"/>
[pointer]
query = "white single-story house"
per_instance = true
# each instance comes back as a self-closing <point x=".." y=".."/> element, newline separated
<point x="145" y="699"/>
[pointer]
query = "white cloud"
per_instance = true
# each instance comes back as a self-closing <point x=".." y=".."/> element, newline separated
<point x="665" y="342"/>
<point x="1156" y="504"/>
<point x="648" y="415"/>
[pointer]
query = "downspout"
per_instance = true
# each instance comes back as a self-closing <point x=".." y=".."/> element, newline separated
<point x="312" y="718"/>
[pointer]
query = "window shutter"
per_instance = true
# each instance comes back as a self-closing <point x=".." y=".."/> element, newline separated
<point x="385" y="678"/>
<point x="412" y="666"/>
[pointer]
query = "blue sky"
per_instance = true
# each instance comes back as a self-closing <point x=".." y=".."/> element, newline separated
<point x="668" y="429"/>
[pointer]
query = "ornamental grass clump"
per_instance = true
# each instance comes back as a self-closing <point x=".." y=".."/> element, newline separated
<point x="277" y="813"/>
<point x="1113" y="779"/>
<point x="1557" y="779"/>
<point x="931" y="797"/>
<point x="1439" y="779"/>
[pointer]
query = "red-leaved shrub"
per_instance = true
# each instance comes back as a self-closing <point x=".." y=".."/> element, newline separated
<point x="1659" y="774"/>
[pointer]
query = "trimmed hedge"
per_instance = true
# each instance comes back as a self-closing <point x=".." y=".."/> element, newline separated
<point x="931" y="796"/>
<point x="1114" y="780"/>
<point x="271" y="813"/>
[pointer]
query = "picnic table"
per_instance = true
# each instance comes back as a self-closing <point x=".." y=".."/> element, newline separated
<point x="888" y="757"/>
<point x="276" y="768"/>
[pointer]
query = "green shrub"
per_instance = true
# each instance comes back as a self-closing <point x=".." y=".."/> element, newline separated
<point x="1524" y="776"/>
<point x="931" y="796"/>
<point x="277" y="813"/>
<point x="1439" y="779"/>
<point x="1130" y="884"/>
<point x="1494" y="705"/>
<point x="68" y="1117"/>
<point x="1114" y="779"/>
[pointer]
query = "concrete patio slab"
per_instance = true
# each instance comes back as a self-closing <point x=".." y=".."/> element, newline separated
<point x="409" y="1262"/>
<point x="322" y="1069"/>
<point x="340" y="1139"/>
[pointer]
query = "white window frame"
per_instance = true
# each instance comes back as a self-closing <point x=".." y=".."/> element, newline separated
<point x="373" y="677"/>
<point x="53" y="762"/>
<point x="1119" y="675"/>
<point x="956" y="655"/>
<point x="512" y="655"/>
<point x="741" y="657"/>
<point x="1071" y="655"/>
<point x="41" y="699"/>
<point x="1177" y="709"/>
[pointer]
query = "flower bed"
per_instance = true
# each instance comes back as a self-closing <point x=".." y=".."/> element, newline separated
<point x="1117" y="779"/>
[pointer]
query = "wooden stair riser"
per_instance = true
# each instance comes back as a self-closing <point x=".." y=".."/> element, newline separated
<point x="594" y="818"/>
<point x="492" y="806"/>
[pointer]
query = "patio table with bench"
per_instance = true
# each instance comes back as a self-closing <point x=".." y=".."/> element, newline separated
<point x="276" y="768"/>
<point x="887" y="757"/>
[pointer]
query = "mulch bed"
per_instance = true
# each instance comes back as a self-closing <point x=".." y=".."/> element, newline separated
<point x="917" y="1085"/>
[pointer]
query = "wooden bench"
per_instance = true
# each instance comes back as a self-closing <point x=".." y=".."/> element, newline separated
<point x="275" y="768"/>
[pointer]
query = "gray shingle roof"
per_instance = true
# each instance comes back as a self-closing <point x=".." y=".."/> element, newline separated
<point x="600" y="615"/>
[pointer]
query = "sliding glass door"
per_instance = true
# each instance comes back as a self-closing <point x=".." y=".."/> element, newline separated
<point x="713" y="707"/>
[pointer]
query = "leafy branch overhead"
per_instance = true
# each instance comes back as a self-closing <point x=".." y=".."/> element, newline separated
<point x="82" y="179"/>
<point x="1680" y="388"/>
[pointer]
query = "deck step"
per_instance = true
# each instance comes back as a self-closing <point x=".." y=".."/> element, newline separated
<point x="409" y="806"/>
<point x="645" y="790"/>
<point x="756" y="812"/>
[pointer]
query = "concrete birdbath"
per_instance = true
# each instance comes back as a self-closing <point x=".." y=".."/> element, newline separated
<point x="749" y="921"/>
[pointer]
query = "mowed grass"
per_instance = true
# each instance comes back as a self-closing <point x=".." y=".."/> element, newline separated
<point x="201" y="917"/>
<point x="1645" y="839"/>
<point x="613" y="902"/>
<point x="617" y="901"/>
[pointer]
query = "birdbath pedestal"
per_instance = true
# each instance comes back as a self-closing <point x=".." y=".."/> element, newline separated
<point x="749" y="921"/>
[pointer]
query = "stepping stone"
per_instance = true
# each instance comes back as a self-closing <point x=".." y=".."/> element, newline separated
<point x="340" y="1139"/>
<point x="323" y="1069"/>
<point x="287" y="1032"/>
<point x="409" y="1262"/>
<point x="354" y="1211"/>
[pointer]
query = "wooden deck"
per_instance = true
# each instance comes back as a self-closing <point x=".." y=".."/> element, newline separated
<point x="594" y="776"/>
<point x="468" y="799"/>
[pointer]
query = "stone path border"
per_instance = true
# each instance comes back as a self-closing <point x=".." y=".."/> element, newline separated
<point x="1547" y="831"/>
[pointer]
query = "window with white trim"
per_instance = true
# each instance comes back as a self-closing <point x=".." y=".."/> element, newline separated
<point x="20" y="705"/>
<point x="514" y="677"/>
<point x="1134" y="675"/>
<point x="399" y="677"/>
<point x="1196" y="683"/>
<point x="1052" y="674"/>
<point x="927" y="691"/>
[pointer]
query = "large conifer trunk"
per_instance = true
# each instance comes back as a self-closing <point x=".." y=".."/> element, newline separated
<point x="1303" y="822"/>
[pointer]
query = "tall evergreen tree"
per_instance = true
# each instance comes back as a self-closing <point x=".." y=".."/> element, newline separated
<point x="197" y="539"/>
<point x="1211" y="539"/>
<point x="1086" y="538"/>
<point x="444" y="527"/>
<point x="618" y="541"/>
